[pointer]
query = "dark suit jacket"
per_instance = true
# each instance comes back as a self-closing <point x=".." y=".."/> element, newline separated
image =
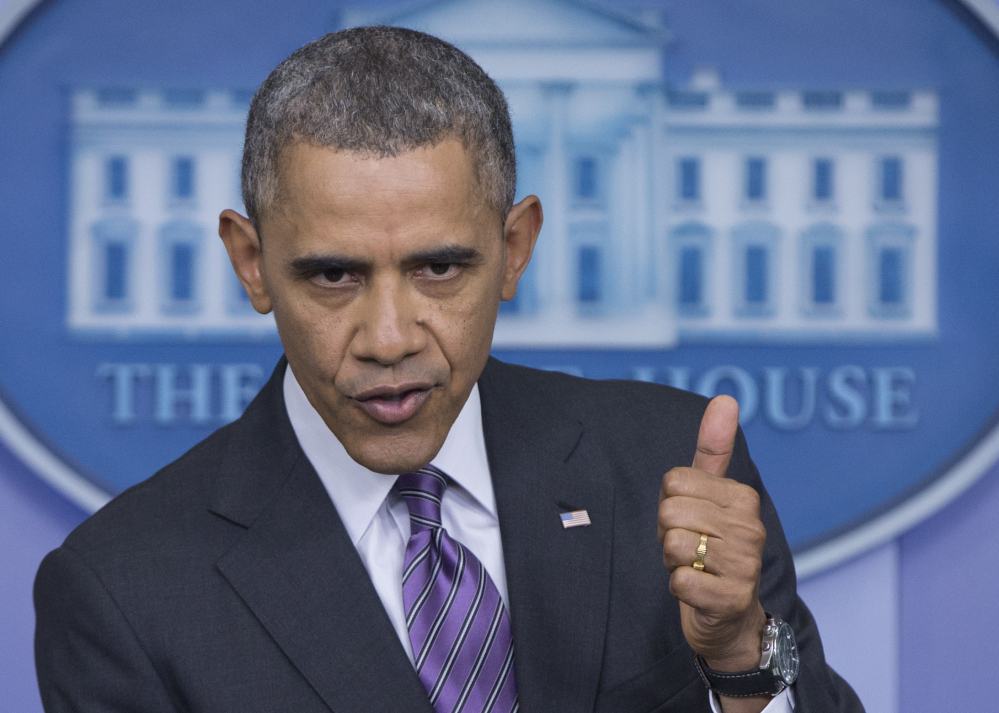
<point x="226" y="582"/>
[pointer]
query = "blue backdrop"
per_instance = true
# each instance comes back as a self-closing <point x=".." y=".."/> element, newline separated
<point x="822" y="479"/>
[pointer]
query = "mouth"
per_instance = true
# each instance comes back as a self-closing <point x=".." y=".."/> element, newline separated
<point x="394" y="404"/>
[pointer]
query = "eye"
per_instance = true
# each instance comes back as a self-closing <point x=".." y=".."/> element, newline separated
<point x="332" y="276"/>
<point x="439" y="269"/>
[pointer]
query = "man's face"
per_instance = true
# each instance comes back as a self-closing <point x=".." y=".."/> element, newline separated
<point x="384" y="276"/>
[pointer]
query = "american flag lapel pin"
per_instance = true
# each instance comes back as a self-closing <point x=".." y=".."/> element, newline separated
<point x="576" y="518"/>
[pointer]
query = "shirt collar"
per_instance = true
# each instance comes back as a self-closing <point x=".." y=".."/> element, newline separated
<point x="358" y="493"/>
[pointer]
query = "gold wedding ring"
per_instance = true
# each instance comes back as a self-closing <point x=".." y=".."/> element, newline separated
<point x="702" y="549"/>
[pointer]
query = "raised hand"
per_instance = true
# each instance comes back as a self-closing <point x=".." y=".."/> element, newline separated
<point x="719" y="607"/>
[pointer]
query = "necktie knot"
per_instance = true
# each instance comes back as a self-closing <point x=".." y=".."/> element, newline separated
<point x="422" y="491"/>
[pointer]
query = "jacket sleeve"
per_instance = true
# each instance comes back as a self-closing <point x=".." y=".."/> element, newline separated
<point x="818" y="688"/>
<point x="87" y="656"/>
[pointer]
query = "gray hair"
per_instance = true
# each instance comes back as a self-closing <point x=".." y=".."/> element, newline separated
<point x="379" y="91"/>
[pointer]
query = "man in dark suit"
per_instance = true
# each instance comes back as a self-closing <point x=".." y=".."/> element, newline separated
<point x="399" y="522"/>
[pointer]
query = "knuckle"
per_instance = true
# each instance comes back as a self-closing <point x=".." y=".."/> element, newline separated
<point x="756" y="532"/>
<point x="731" y="494"/>
<point x="761" y="531"/>
<point x="665" y="513"/>
<point x="675" y="587"/>
<point x="673" y="541"/>
<point x="672" y="480"/>
<point x="746" y="495"/>
<point x="672" y="508"/>
<point x="679" y="581"/>
<point x="749" y="571"/>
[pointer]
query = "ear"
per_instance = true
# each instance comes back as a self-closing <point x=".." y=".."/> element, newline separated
<point x="243" y="245"/>
<point x="520" y="233"/>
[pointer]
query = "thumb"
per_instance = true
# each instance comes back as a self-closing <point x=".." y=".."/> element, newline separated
<point x="716" y="439"/>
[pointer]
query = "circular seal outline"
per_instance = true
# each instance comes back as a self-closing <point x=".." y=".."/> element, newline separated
<point x="926" y="498"/>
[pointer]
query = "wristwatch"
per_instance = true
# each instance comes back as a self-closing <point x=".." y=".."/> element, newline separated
<point x="778" y="666"/>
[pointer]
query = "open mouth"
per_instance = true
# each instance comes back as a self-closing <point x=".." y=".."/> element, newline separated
<point x="391" y="405"/>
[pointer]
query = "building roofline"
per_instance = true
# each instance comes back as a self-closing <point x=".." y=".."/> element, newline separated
<point x="655" y="34"/>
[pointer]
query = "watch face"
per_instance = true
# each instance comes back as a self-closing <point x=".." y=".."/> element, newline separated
<point x="786" y="651"/>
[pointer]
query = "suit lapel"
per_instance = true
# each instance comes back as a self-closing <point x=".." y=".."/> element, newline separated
<point x="299" y="573"/>
<point x="558" y="579"/>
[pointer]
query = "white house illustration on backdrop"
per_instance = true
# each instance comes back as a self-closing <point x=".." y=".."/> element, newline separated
<point x="672" y="214"/>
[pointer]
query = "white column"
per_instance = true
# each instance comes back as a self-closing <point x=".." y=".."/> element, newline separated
<point x="147" y="169"/>
<point x="561" y="293"/>
<point x="642" y="239"/>
<point x="622" y="258"/>
<point x="659" y="247"/>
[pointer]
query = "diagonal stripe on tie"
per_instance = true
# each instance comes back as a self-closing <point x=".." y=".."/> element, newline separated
<point x="434" y="565"/>
<point x="420" y="558"/>
<point x="442" y="612"/>
<point x="466" y="626"/>
<point x="458" y="625"/>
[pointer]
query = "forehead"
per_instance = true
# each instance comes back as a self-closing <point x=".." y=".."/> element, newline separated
<point x="321" y="180"/>
<point x="373" y="208"/>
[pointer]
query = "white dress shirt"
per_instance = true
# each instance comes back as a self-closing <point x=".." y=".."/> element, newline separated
<point x="377" y="519"/>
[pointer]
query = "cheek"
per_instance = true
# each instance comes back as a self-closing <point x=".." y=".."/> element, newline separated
<point x="465" y="328"/>
<point x="311" y="338"/>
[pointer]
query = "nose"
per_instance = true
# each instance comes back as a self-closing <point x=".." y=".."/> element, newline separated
<point x="389" y="329"/>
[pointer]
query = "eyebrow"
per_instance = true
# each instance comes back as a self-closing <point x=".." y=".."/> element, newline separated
<point x="445" y="254"/>
<point x="316" y="264"/>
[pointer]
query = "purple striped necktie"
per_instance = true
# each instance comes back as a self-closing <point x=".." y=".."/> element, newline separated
<point x="457" y="623"/>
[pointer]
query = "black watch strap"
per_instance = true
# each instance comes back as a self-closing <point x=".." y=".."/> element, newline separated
<point x="739" y="684"/>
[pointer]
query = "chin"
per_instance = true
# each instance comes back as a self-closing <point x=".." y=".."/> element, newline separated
<point x="392" y="457"/>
